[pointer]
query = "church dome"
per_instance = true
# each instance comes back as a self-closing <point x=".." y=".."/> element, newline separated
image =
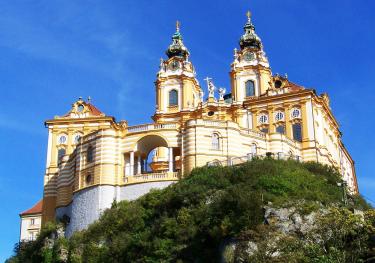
<point x="250" y="38"/>
<point x="177" y="48"/>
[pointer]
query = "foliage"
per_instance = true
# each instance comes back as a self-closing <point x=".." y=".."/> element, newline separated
<point x="338" y="236"/>
<point x="190" y="220"/>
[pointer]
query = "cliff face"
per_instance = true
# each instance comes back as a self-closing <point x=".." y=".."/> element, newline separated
<point x="262" y="211"/>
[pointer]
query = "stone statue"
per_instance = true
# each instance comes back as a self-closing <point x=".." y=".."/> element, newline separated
<point x="221" y="93"/>
<point x="211" y="88"/>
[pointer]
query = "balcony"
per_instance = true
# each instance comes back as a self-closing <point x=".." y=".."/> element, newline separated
<point x="151" y="177"/>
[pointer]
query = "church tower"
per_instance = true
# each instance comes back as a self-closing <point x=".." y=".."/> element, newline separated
<point x="177" y="89"/>
<point x="250" y="70"/>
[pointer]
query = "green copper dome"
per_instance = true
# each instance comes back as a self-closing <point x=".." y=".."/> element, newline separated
<point x="177" y="48"/>
<point x="250" y="38"/>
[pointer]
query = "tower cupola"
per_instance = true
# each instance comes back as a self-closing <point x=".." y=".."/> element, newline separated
<point x="177" y="48"/>
<point x="250" y="38"/>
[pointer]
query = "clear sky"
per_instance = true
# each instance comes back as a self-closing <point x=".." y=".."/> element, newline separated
<point x="52" y="52"/>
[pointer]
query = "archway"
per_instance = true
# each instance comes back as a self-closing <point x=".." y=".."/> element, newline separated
<point x="151" y="153"/>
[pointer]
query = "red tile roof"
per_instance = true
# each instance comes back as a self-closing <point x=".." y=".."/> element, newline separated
<point x="94" y="110"/>
<point x="294" y="87"/>
<point x="36" y="209"/>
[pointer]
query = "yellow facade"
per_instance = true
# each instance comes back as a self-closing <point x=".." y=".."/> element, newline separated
<point x="262" y="113"/>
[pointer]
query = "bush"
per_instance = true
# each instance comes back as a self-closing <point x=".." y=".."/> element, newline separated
<point x="189" y="221"/>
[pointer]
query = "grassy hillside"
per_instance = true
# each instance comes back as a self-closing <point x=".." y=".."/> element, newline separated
<point x="192" y="220"/>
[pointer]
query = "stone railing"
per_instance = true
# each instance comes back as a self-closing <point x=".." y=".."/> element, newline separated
<point x="242" y="159"/>
<point x="254" y="133"/>
<point x="149" y="127"/>
<point x="151" y="177"/>
<point x="215" y="123"/>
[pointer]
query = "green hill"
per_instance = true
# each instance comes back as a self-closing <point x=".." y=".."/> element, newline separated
<point x="224" y="214"/>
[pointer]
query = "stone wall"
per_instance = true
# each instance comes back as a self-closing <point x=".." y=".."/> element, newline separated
<point x="89" y="203"/>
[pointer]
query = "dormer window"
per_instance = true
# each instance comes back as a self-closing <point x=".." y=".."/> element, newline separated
<point x="173" y="98"/>
<point x="278" y="84"/>
<point x="249" y="88"/>
<point x="80" y="108"/>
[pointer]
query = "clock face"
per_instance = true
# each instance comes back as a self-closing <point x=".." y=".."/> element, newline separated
<point x="174" y="65"/>
<point x="249" y="56"/>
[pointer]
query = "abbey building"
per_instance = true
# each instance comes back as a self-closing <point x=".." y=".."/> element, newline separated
<point x="93" y="160"/>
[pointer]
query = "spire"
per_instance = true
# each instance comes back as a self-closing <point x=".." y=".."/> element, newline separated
<point x="250" y="38"/>
<point x="177" y="47"/>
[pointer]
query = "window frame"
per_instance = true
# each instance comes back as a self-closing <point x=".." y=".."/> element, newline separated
<point x="279" y="126"/>
<point x="297" y="136"/>
<point x="247" y="88"/>
<point x="59" y="155"/>
<point x="215" y="141"/>
<point x="173" y="101"/>
<point x="90" y="154"/>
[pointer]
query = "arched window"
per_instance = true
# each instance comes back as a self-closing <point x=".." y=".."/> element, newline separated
<point x="297" y="132"/>
<point x="173" y="98"/>
<point x="60" y="154"/>
<point x="90" y="154"/>
<point x="88" y="179"/>
<point x="215" y="141"/>
<point x="250" y="89"/>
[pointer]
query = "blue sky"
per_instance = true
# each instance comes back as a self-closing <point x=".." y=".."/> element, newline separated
<point x="52" y="52"/>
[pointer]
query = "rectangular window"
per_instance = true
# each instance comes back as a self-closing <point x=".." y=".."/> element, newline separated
<point x="265" y="130"/>
<point x="280" y="129"/>
<point x="32" y="221"/>
<point x="297" y="132"/>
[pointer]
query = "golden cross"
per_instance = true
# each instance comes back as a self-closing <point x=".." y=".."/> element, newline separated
<point x="178" y="25"/>
<point x="248" y="14"/>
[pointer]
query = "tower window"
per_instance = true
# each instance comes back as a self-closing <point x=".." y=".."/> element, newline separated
<point x="173" y="98"/>
<point x="215" y="141"/>
<point x="280" y="129"/>
<point x="250" y="88"/>
<point x="90" y="154"/>
<point x="60" y="154"/>
<point x="297" y="132"/>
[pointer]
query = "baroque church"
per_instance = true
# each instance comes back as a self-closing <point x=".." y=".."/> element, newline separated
<point x="93" y="160"/>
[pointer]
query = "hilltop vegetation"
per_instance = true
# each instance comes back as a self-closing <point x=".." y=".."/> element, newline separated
<point x="218" y="213"/>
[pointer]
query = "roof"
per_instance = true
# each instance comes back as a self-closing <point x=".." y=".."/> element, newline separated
<point x="94" y="110"/>
<point x="294" y="87"/>
<point x="36" y="209"/>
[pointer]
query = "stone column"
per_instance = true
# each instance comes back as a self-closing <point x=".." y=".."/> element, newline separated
<point x="170" y="159"/>
<point x="131" y="163"/>
<point x="139" y="164"/>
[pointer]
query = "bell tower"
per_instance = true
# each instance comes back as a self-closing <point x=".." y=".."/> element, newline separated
<point x="250" y="70"/>
<point x="177" y="89"/>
